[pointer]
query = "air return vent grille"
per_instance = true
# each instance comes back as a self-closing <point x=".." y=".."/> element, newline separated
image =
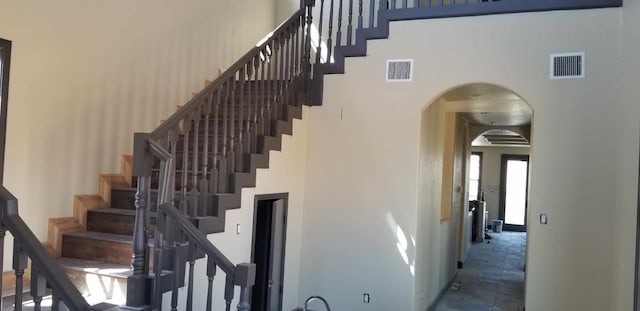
<point x="567" y="66"/>
<point x="399" y="70"/>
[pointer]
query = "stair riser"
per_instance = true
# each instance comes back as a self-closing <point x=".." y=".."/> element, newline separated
<point x="113" y="223"/>
<point x="100" y="250"/>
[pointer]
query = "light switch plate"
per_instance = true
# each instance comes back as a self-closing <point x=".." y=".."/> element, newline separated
<point x="543" y="219"/>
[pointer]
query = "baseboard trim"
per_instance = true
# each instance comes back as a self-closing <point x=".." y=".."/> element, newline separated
<point x="443" y="291"/>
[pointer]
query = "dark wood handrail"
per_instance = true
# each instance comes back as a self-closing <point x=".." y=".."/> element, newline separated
<point x="200" y="240"/>
<point x="197" y="157"/>
<point x="188" y="108"/>
<point x="55" y="277"/>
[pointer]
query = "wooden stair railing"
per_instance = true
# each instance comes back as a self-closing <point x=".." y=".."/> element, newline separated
<point x="196" y="162"/>
<point x="176" y="229"/>
<point x="45" y="274"/>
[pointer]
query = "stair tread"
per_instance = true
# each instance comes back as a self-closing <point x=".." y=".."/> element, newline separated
<point x="119" y="211"/>
<point x="130" y="212"/>
<point x="92" y="235"/>
<point x="95" y="267"/>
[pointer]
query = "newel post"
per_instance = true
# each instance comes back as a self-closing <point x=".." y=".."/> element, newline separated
<point x="138" y="288"/>
<point x="306" y="62"/>
<point x="245" y="278"/>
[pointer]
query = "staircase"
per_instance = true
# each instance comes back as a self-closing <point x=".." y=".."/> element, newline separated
<point x="139" y="238"/>
<point x="94" y="247"/>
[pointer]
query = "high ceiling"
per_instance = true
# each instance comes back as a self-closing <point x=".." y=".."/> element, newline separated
<point x="493" y="106"/>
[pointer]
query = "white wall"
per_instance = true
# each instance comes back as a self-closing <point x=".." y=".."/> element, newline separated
<point x="86" y="75"/>
<point x="284" y="9"/>
<point x="286" y="174"/>
<point x="490" y="179"/>
<point x="362" y="169"/>
<point x="627" y="161"/>
<point x="436" y="252"/>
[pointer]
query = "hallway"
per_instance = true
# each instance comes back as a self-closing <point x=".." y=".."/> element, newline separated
<point x="492" y="278"/>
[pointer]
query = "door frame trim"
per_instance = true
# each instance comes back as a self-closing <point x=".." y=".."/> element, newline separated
<point x="5" y="55"/>
<point x="503" y="191"/>
<point x="636" y="296"/>
<point x="271" y="197"/>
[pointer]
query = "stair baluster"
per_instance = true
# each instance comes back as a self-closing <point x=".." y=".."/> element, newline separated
<point x="242" y="74"/>
<point x="213" y="186"/>
<point x="186" y="130"/>
<point x="339" y="32"/>
<point x="225" y="121"/>
<point x="393" y="5"/>
<point x="203" y="186"/>
<point x="38" y="287"/>
<point x="269" y="87"/>
<point x="319" y="48"/>
<point x="262" y="95"/>
<point x="274" y="85"/>
<point x="255" y="104"/>
<point x="330" y="40"/>
<point x="249" y="114"/>
<point x="19" y="265"/>
<point x="350" y="25"/>
<point x="404" y="4"/>
<point x="228" y="291"/>
<point x="211" y="274"/>
<point x="360" y="19"/>
<point x="232" y="125"/>
<point x="172" y="141"/>
<point x="192" y="264"/>
<point x="193" y="195"/>
<point x="307" y="45"/>
<point x="296" y="57"/>
<point x="372" y="16"/>
<point x="282" y="78"/>
<point x="289" y="70"/>
<point x="158" y="258"/>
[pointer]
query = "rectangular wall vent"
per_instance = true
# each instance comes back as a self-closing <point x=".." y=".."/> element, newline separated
<point x="567" y="66"/>
<point x="399" y="70"/>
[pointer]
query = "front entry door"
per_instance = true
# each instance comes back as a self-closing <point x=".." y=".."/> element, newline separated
<point x="268" y="253"/>
<point x="514" y="192"/>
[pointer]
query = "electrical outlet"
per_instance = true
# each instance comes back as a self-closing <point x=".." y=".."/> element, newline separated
<point x="366" y="298"/>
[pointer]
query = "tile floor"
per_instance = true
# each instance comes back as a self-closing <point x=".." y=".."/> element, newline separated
<point x="492" y="278"/>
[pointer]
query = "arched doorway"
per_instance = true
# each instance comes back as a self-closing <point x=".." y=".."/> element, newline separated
<point x="477" y="125"/>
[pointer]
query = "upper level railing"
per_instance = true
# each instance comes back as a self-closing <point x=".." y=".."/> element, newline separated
<point x="345" y="24"/>
<point x="44" y="272"/>
<point x="192" y="162"/>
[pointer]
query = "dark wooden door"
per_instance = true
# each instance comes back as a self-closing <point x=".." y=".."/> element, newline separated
<point x="269" y="236"/>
